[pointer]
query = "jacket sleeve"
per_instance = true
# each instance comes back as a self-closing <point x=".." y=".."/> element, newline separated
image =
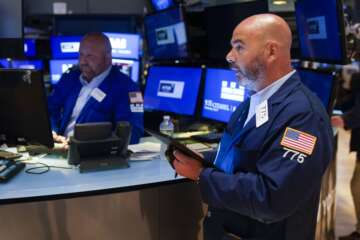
<point x="282" y="180"/>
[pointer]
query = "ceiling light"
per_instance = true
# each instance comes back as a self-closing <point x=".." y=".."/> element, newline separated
<point x="279" y="2"/>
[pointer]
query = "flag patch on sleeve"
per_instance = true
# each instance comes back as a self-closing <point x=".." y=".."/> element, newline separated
<point x="297" y="140"/>
<point x="135" y="97"/>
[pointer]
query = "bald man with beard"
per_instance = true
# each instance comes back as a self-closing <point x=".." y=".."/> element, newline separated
<point x="265" y="179"/>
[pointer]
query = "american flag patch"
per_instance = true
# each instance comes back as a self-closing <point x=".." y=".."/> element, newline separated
<point x="298" y="140"/>
<point x="135" y="97"/>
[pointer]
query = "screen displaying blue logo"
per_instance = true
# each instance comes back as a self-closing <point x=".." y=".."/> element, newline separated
<point x="65" y="47"/>
<point x="172" y="89"/>
<point x="320" y="83"/>
<point x="124" y="45"/>
<point x="128" y="67"/>
<point x="162" y="4"/>
<point x="22" y="64"/>
<point x="166" y="35"/>
<point x="222" y="94"/>
<point x="29" y="47"/>
<point x="321" y="37"/>
<point x="58" y="67"/>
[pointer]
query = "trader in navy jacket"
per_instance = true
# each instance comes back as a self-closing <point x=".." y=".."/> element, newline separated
<point x="96" y="91"/>
<point x="266" y="178"/>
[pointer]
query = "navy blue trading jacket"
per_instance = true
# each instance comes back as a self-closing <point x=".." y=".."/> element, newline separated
<point x="272" y="190"/>
<point x="115" y="106"/>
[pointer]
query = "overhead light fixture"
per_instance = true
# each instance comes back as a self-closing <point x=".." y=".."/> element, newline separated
<point x="279" y="2"/>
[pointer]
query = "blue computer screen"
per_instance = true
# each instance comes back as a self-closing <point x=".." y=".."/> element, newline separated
<point x="172" y="89"/>
<point x="320" y="31"/>
<point x="22" y="64"/>
<point x="65" y="47"/>
<point x="124" y="45"/>
<point x="58" y="67"/>
<point x="162" y="4"/>
<point x="321" y="83"/>
<point x="29" y="47"/>
<point x="128" y="67"/>
<point x="166" y="34"/>
<point x="222" y="94"/>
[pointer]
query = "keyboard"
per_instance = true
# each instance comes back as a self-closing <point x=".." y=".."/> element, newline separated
<point x="212" y="137"/>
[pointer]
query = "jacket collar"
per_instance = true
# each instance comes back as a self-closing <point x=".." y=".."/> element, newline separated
<point x="277" y="98"/>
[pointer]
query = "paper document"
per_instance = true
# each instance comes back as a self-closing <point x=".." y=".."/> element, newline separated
<point x="144" y="151"/>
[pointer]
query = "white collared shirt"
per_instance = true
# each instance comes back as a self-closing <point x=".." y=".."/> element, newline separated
<point x="84" y="96"/>
<point x="265" y="94"/>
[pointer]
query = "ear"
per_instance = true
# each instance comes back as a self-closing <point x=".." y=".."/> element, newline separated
<point x="271" y="51"/>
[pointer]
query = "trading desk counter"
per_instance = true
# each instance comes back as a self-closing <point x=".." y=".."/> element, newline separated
<point x="143" y="201"/>
<point x="66" y="183"/>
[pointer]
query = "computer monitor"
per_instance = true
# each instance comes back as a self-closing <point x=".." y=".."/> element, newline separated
<point x="322" y="83"/>
<point x="166" y="34"/>
<point x="23" y="105"/>
<point x="172" y="89"/>
<point x="222" y="19"/>
<point x="222" y="94"/>
<point x="162" y="4"/>
<point x="58" y="67"/>
<point x="22" y="64"/>
<point x="65" y="47"/>
<point x="128" y="67"/>
<point x="29" y="47"/>
<point x="321" y="31"/>
<point x="124" y="45"/>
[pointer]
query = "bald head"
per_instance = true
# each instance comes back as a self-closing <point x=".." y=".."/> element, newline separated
<point x="268" y="27"/>
<point x="99" y="39"/>
<point x="94" y="55"/>
<point x="260" y="51"/>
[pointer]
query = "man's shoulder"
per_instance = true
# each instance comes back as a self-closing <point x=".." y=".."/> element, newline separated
<point x="72" y="73"/>
<point x="304" y="101"/>
<point x="121" y="80"/>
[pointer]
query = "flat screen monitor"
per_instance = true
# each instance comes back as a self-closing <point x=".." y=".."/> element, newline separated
<point x="162" y="4"/>
<point x="172" y="89"/>
<point x="128" y="67"/>
<point x="22" y="64"/>
<point x="124" y="45"/>
<point x="58" y="67"/>
<point x="221" y="21"/>
<point x="322" y="83"/>
<point x="166" y="34"/>
<point x="23" y="105"/>
<point x="321" y="30"/>
<point x="222" y="94"/>
<point x="29" y="47"/>
<point x="65" y="47"/>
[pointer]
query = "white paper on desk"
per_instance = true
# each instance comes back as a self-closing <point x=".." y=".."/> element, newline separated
<point x="144" y="151"/>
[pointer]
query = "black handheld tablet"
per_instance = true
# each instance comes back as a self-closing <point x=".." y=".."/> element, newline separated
<point x="173" y="144"/>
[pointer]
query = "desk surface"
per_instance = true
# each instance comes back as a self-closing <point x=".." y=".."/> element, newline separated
<point x="68" y="183"/>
